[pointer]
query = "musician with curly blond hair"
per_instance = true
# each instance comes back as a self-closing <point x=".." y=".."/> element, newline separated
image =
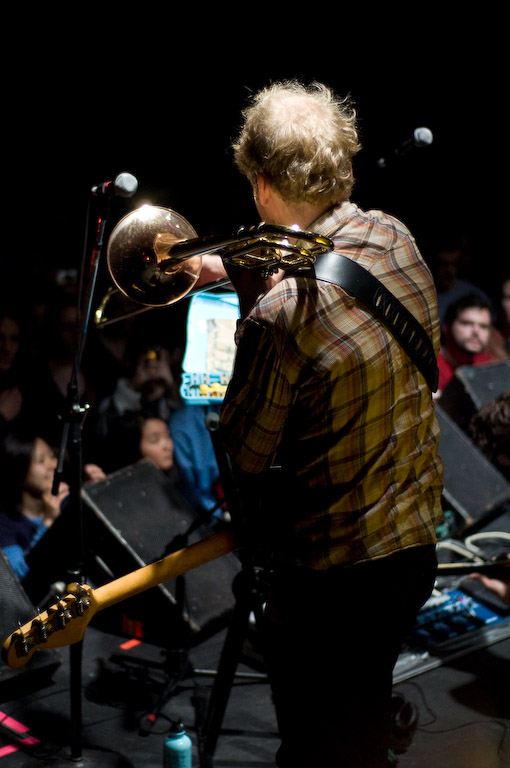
<point x="332" y="435"/>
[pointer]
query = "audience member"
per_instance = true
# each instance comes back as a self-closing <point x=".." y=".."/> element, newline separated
<point x="150" y="388"/>
<point x="489" y="429"/>
<point x="448" y="269"/>
<point x="138" y="435"/>
<point x="12" y="372"/>
<point x="27" y="506"/>
<point x="47" y="283"/>
<point x="107" y="352"/>
<point x="195" y="458"/>
<point x="54" y="368"/>
<point x="498" y="586"/>
<point x="500" y="339"/>
<point x="156" y="443"/>
<point x="505" y="312"/>
<point x="466" y="335"/>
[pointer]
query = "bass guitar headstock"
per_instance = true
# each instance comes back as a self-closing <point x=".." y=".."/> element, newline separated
<point x="63" y="623"/>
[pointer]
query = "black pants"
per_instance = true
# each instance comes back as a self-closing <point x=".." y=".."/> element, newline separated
<point x="332" y="640"/>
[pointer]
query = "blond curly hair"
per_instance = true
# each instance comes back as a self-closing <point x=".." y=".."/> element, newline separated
<point x="301" y="139"/>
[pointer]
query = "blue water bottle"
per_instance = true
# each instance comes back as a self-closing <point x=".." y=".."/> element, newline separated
<point x="177" y="747"/>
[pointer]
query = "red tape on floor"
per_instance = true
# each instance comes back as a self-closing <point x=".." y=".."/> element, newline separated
<point x="15" y="725"/>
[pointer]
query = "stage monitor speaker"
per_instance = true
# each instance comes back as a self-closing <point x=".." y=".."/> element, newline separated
<point x="15" y="609"/>
<point x="472" y="387"/>
<point x="473" y="487"/>
<point x="132" y="518"/>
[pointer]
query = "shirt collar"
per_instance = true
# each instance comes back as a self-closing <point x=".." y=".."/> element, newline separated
<point x="328" y="222"/>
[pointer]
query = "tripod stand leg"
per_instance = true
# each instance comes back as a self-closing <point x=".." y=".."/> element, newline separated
<point x="229" y="659"/>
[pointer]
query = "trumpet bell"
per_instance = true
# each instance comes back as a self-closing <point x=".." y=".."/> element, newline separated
<point x="155" y="257"/>
<point x="137" y="256"/>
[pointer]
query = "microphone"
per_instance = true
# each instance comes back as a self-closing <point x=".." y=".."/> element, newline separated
<point x="422" y="137"/>
<point x="124" y="185"/>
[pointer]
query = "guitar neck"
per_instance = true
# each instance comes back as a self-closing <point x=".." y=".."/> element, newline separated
<point x="170" y="567"/>
<point x="64" y="623"/>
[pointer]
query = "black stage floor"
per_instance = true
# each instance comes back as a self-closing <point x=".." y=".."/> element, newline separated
<point x="462" y="701"/>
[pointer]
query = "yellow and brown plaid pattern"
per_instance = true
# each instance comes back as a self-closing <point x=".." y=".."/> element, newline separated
<point x="323" y="386"/>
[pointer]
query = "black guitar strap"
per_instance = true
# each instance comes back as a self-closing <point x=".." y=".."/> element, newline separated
<point x="333" y="267"/>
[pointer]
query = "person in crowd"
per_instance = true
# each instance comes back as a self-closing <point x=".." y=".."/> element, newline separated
<point x="109" y="348"/>
<point x="27" y="505"/>
<point x="333" y="438"/>
<point x="13" y="370"/>
<point x="47" y="403"/>
<point x="498" y="586"/>
<point x="156" y="443"/>
<point x="149" y="388"/>
<point x="10" y="332"/>
<point x="187" y="460"/>
<point x="500" y="341"/>
<point x="505" y="312"/>
<point x="196" y="460"/>
<point x="139" y="435"/>
<point x="448" y="267"/>
<point x="489" y="429"/>
<point x="466" y="337"/>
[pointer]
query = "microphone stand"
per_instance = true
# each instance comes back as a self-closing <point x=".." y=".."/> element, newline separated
<point x="71" y="443"/>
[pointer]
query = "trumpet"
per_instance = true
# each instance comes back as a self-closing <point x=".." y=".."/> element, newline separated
<point x="154" y="256"/>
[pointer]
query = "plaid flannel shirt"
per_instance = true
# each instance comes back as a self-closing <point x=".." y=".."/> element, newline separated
<point x="322" y="386"/>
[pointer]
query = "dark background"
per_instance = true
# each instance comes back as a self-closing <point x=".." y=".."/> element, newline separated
<point x="157" y="92"/>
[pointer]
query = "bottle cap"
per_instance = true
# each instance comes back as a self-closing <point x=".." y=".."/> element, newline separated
<point x="177" y="727"/>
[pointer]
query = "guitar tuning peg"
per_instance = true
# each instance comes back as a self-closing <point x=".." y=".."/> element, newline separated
<point x="59" y="612"/>
<point x="40" y="629"/>
<point x="82" y="601"/>
<point x="20" y="642"/>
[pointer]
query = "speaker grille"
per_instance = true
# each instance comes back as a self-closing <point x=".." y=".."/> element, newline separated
<point x="131" y="519"/>
<point x="16" y="607"/>
<point x="472" y="485"/>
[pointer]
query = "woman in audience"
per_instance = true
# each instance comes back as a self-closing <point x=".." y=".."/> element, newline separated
<point x="27" y="505"/>
<point x="137" y="435"/>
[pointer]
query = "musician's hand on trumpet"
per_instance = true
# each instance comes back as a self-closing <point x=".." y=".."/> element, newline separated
<point x="250" y="284"/>
<point x="212" y="270"/>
